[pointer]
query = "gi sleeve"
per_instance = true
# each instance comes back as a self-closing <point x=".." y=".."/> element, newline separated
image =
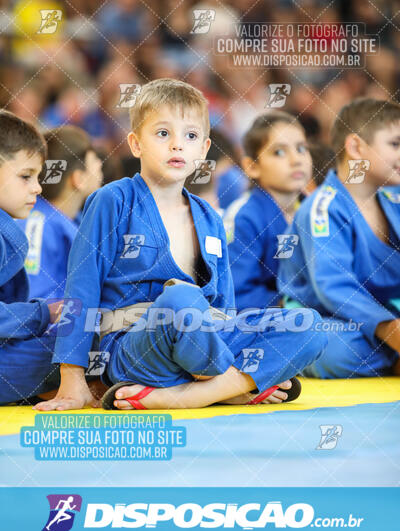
<point x="91" y="258"/>
<point x="327" y="246"/>
<point x="23" y="320"/>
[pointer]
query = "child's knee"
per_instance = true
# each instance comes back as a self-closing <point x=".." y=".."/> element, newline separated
<point x="312" y="339"/>
<point x="316" y="337"/>
<point x="182" y="297"/>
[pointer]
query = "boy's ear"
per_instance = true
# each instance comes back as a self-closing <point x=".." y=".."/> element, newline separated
<point x="77" y="179"/>
<point x="250" y="167"/>
<point x="354" y="146"/>
<point x="134" y="144"/>
<point x="207" y="145"/>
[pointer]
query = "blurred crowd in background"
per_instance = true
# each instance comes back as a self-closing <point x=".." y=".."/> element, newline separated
<point x="74" y="76"/>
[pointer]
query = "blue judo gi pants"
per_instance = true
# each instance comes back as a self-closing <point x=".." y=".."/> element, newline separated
<point x="26" y="369"/>
<point x="271" y="346"/>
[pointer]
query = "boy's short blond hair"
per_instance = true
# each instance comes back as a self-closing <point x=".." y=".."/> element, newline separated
<point x="364" y="117"/>
<point x="168" y="92"/>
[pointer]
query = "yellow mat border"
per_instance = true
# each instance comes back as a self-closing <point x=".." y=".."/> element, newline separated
<point x="315" y="394"/>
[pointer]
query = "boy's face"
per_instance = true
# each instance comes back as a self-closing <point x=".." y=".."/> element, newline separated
<point x="169" y="143"/>
<point x="19" y="184"/>
<point x="284" y="163"/>
<point x="384" y="156"/>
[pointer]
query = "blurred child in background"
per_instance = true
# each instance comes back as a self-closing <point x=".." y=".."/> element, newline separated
<point x="112" y="170"/>
<point x="323" y="160"/>
<point x="230" y="180"/>
<point x="72" y="173"/>
<point x="347" y="262"/>
<point x="278" y="161"/>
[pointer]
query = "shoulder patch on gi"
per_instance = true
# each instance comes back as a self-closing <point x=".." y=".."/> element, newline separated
<point x="319" y="211"/>
<point x="230" y="215"/>
<point x="394" y="197"/>
<point x="34" y="233"/>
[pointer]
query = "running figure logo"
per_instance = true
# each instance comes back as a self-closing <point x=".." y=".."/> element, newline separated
<point x="128" y="94"/>
<point x="202" y="20"/>
<point x="50" y="20"/>
<point x="132" y="245"/>
<point x="62" y="511"/>
<point x="54" y="171"/>
<point x="357" y="170"/>
<point x="97" y="363"/>
<point x="286" y="245"/>
<point x="329" y="436"/>
<point x="204" y="171"/>
<point x="63" y="327"/>
<point x="251" y="359"/>
<point x="277" y="94"/>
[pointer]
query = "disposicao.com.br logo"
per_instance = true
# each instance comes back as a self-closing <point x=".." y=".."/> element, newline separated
<point x="213" y="515"/>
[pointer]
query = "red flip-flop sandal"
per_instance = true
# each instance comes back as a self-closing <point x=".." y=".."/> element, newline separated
<point x="262" y="396"/>
<point x="293" y="392"/>
<point x="109" y="396"/>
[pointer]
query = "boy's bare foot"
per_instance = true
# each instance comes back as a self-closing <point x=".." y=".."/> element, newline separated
<point x="159" y="397"/>
<point x="277" y="397"/>
<point x="97" y="388"/>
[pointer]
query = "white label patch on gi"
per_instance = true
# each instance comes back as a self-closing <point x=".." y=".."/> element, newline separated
<point x="251" y="359"/>
<point x="132" y="245"/>
<point x="34" y="233"/>
<point x="319" y="211"/>
<point x="213" y="246"/>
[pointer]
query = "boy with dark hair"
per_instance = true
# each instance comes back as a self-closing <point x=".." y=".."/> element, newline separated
<point x="71" y="174"/>
<point x="25" y="352"/>
<point x="347" y="262"/>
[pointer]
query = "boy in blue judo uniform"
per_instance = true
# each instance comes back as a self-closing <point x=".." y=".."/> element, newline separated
<point x="50" y="227"/>
<point x="347" y="262"/>
<point x="150" y="253"/>
<point x="26" y="351"/>
<point x="279" y="163"/>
